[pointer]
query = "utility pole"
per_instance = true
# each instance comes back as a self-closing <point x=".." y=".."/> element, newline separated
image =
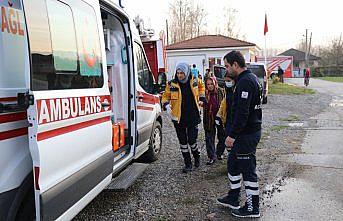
<point x="309" y="49"/>
<point x="167" y="29"/>
<point x="306" y="50"/>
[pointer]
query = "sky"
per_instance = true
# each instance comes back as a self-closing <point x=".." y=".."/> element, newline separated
<point x="287" y="20"/>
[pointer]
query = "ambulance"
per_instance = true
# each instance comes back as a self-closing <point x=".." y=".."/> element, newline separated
<point x="78" y="104"/>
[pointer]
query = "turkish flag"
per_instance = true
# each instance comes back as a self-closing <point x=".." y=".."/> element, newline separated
<point x="265" y="25"/>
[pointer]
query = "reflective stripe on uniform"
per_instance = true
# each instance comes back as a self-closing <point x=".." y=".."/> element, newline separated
<point x="194" y="147"/>
<point x="235" y="178"/>
<point x="252" y="192"/>
<point x="184" y="148"/>
<point x="235" y="185"/>
<point x="251" y="184"/>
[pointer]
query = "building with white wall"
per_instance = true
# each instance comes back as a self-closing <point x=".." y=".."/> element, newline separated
<point x="205" y="51"/>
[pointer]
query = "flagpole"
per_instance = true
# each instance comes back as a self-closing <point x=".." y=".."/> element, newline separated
<point x="265" y="39"/>
<point x="265" y="50"/>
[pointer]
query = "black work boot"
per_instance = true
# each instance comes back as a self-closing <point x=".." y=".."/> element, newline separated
<point x="196" y="155"/>
<point x="188" y="162"/>
<point x="231" y="200"/>
<point x="250" y="209"/>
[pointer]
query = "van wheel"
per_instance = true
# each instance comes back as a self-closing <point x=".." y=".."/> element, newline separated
<point x="155" y="144"/>
<point x="27" y="209"/>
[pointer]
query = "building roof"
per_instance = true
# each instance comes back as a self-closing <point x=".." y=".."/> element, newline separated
<point x="210" y="41"/>
<point x="298" y="55"/>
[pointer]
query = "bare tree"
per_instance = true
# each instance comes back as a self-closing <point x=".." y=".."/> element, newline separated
<point x="186" y="20"/>
<point x="331" y="54"/>
<point x="228" y="26"/>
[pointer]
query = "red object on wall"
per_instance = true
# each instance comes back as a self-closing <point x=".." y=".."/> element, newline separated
<point x="150" y="48"/>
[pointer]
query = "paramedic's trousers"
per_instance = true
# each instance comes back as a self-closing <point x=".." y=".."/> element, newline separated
<point x="188" y="136"/>
<point x="241" y="163"/>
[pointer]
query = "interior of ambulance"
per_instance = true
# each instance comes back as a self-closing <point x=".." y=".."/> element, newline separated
<point x="118" y="79"/>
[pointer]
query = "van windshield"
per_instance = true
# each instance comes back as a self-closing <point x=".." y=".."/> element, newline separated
<point x="219" y="72"/>
<point x="258" y="70"/>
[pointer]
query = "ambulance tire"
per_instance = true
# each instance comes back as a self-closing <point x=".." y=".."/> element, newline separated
<point x="155" y="144"/>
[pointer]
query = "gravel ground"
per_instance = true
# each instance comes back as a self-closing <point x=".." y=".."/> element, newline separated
<point x="164" y="193"/>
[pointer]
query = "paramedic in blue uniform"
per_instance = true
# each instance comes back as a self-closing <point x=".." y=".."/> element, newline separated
<point x="243" y="138"/>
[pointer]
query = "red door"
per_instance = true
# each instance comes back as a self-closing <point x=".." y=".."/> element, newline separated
<point x="151" y="53"/>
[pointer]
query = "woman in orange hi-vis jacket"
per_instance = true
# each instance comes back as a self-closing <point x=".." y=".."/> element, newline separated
<point x="182" y="99"/>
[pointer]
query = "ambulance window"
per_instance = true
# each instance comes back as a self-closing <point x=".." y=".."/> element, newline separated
<point x="64" y="49"/>
<point x="88" y="40"/>
<point x="64" y="45"/>
<point x="144" y="75"/>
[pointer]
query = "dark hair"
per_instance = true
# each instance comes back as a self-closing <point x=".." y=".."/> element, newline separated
<point x="235" y="56"/>
<point x="194" y="66"/>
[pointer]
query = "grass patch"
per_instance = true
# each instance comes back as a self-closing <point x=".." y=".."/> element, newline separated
<point x="278" y="128"/>
<point x="219" y="169"/>
<point x="333" y="79"/>
<point x="287" y="89"/>
<point x="290" y="118"/>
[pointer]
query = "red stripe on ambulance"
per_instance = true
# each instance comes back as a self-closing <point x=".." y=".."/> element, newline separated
<point x="13" y="133"/>
<point x="6" y="118"/>
<point x="53" y="133"/>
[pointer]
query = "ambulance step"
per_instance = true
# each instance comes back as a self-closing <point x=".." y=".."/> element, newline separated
<point x="126" y="178"/>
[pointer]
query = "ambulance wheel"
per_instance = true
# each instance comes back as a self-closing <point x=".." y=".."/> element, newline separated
<point x="155" y="144"/>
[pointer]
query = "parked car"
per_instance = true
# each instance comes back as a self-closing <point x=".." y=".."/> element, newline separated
<point x="258" y="69"/>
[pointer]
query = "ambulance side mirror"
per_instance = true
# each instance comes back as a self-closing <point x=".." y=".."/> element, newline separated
<point x="161" y="82"/>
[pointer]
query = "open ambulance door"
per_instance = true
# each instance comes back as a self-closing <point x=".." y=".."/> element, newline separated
<point x="69" y="117"/>
<point x="121" y="82"/>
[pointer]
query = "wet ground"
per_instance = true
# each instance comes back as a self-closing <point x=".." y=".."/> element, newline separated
<point x="316" y="192"/>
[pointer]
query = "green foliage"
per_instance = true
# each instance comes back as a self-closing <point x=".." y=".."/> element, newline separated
<point x="278" y="128"/>
<point x="287" y="89"/>
<point x="333" y="79"/>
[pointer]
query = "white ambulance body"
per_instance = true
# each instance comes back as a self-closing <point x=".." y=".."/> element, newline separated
<point x="77" y="104"/>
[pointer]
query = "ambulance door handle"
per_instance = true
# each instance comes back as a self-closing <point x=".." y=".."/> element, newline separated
<point x="140" y="97"/>
<point x="132" y="115"/>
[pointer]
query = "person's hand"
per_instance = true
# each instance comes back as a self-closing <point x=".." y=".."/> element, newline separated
<point x="229" y="142"/>
<point x="218" y="121"/>
<point x="168" y="109"/>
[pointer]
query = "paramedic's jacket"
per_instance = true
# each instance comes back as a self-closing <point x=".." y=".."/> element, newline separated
<point x="173" y="96"/>
<point x="246" y="107"/>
